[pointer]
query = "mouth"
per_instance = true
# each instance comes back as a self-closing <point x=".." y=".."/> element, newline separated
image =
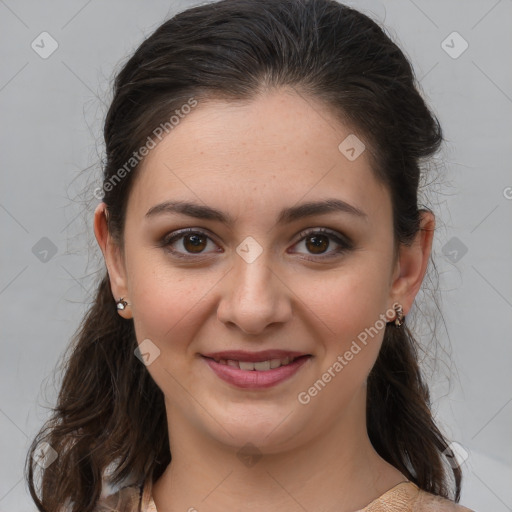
<point x="259" y="361"/>
<point x="261" y="366"/>
<point x="257" y="369"/>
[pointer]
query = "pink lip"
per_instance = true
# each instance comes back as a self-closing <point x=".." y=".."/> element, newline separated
<point x="254" y="378"/>
<point x="253" y="357"/>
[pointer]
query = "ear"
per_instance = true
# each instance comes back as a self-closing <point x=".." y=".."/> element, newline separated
<point x="113" y="258"/>
<point x="412" y="263"/>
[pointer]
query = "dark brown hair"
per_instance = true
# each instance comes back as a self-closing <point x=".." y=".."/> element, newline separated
<point x="110" y="414"/>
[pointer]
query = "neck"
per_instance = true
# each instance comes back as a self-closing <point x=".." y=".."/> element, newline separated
<point x="336" y="470"/>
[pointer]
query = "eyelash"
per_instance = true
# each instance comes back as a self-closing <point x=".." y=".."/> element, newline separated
<point x="345" y="243"/>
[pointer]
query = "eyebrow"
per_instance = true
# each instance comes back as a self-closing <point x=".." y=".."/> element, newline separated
<point x="287" y="215"/>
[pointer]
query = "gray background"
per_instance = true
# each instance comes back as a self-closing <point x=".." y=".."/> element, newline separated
<point x="52" y="110"/>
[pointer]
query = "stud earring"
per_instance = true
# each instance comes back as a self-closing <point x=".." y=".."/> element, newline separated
<point x="121" y="303"/>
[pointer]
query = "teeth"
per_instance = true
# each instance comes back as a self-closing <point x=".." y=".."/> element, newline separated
<point x="259" y="366"/>
<point x="246" y="366"/>
<point x="262" y="366"/>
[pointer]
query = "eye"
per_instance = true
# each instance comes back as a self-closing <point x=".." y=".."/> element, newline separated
<point x="318" y="240"/>
<point x="191" y="241"/>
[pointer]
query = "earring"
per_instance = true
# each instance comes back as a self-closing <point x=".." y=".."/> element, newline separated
<point x="400" y="318"/>
<point x="121" y="303"/>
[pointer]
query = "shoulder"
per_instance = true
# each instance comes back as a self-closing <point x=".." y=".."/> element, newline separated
<point x="427" y="502"/>
<point x="408" y="497"/>
<point x="404" y="497"/>
<point x="126" y="499"/>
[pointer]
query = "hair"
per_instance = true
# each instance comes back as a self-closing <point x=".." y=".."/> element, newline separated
<point x="110" y="414"/>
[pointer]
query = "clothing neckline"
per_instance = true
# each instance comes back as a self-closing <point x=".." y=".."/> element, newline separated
<point x="148" y="504"/>
<point x="406" y="484"/>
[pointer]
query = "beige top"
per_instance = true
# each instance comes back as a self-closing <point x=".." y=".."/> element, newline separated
<point x="404" y="497"/>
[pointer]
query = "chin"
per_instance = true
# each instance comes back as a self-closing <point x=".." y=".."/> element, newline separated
<point x="269" y="433"/>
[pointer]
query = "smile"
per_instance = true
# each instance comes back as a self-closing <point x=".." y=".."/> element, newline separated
<point x="257" y="374"/>
<point x="261" y="366"/>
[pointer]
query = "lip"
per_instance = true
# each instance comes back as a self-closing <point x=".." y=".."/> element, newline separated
<point x="254" y="357"/>
<point x="255" y="379"/>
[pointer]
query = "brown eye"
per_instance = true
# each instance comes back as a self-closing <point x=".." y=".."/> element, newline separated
<point x="195" y="243"/>
<point x="318" y="243"/>
<point x="187" y="243"/>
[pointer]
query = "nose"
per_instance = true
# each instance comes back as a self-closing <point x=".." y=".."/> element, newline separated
<point x="254" y="296"/>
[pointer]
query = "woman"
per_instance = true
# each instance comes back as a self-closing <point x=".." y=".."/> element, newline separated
<point x="247" y="348"/>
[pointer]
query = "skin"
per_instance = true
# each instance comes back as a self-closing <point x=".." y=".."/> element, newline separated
<point x="250" y="160"/>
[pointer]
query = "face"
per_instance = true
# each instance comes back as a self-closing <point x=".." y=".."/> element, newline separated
<point x="250" y="278"/>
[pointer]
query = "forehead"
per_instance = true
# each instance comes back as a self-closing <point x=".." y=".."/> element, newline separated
<point x="278" y="149"/>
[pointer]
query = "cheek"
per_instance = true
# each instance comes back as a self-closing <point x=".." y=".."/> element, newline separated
<point x="347" y="300"/>
<point x="166" y="301"/>
<point x="349" y="304"/>
<point x="352" y="307"/>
